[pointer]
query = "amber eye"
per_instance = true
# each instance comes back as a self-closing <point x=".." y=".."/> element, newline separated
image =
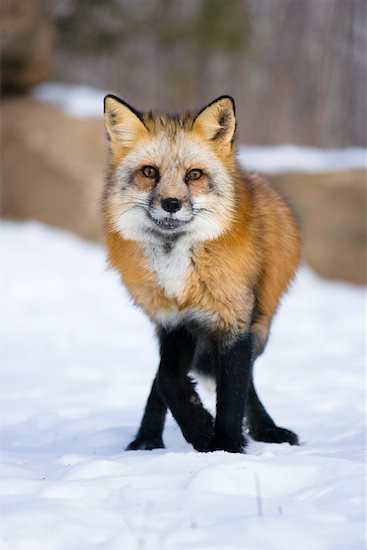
<point x="194" y="174"/>
<point x="150" y="172"/>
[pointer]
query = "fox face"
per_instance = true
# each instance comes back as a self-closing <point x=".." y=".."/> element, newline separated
<point x="170" y="175"/>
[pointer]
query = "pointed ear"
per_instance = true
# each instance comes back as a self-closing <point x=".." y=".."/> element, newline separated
<point x="123" y="123"/>
<point x="217" y="121"/>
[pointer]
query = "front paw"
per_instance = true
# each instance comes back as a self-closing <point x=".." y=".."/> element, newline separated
<point x="140" y="444"/>
<point x="201" y="431"/>
<point x="222" y="443"/>
<point x="275" y="434"/>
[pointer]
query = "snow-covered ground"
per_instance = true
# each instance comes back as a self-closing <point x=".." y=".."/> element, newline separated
<point x="76" y="365"/>
<point x="84" y="102"/>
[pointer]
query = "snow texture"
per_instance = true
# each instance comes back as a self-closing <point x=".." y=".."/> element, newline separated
<point x="77" y="360"/>
<point x="83" y="102"/>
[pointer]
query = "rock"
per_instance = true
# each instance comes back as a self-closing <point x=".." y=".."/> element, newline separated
<point x="27" y="35"/>
<point x="52" y="167"/>
<point x="331" y="208"/>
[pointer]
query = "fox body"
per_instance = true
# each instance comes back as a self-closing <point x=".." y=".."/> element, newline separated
<point x="206" y="250"/>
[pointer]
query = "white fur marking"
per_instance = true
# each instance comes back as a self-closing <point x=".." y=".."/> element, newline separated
<point x="172" y="268"/>
<point x="172" y="317"/>
<point x="169" y="318"/>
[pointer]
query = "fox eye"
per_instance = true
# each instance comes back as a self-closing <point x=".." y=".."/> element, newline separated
<point x="150" y="172"/>
<point x="194" y="174"/>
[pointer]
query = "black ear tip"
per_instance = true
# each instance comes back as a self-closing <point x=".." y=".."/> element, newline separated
<point x="221" y="98"/>
<point x="110" y="96"/>
<point x="230" y="98"/>
<point x="122" y="102"/>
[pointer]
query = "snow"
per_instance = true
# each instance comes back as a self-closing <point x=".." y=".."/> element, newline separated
<point x="74" y="100"/>
<point x="84" y="102"/>
<point x="77" y="360"/>
<point x="292" y="158"/>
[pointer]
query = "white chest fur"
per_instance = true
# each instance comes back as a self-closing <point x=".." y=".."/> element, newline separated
<point x="171" y="263"/>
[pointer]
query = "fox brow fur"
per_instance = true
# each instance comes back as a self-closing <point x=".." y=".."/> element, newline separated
<point x="169" y="122"/>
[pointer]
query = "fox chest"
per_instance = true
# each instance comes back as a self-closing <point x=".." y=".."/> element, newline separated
<point x="161" y="283"/>
<point x="171" y="266"/>
<point x="181" y="284"/>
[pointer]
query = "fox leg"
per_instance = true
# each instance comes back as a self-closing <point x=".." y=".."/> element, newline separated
<point x="234" y="364"/>
<point x="178" y="390"/>
<point x="261" y="425"/>
<point x="149" y="435"/>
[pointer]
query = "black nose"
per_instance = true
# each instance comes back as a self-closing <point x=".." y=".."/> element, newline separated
<point x="171" y="205"/>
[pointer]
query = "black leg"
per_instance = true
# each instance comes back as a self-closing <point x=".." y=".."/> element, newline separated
<point x="178" y="390"/>
<point x="149" y="435"/>
<point x="234" y="365"/>
<point x="261" y="425"/>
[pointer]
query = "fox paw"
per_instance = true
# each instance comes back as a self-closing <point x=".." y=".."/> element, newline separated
<point x="230" y="446"/>
<point x="145" y="444"/>
<point x="201" y="432"/>
<point x="275" y="434"/>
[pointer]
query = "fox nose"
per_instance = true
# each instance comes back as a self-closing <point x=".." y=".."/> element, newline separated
<point x="171" y="205"/>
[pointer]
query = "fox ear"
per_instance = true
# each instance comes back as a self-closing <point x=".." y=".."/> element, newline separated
<point x="217" y="121"/>
<point x="123" y="123"/>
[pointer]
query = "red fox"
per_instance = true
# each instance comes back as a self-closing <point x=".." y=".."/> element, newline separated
<point x="205" y="250"/>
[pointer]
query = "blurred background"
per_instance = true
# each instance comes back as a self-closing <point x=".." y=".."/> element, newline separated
<point x="296" y="68"/>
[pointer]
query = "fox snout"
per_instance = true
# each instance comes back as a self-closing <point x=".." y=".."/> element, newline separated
<point x="170" y="212"/>
<point x="171" y="205"/>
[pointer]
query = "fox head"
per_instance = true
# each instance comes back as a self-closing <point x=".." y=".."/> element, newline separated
<point x="170" y="174"/>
